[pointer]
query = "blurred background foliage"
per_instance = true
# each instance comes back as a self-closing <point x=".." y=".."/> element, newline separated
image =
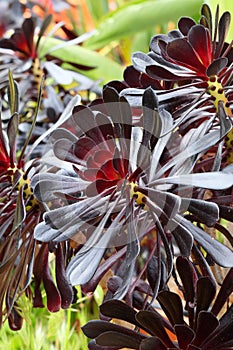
<point x="118" y="28"/>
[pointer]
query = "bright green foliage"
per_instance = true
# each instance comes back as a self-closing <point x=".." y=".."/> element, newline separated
<point x="43" y="330"/>
<point x="129" y="28"/>
<point x="106" y="69"/>
<point x="138" y="16"/>
<point x="224" y="5"/>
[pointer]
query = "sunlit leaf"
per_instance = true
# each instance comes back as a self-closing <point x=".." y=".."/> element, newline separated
<point x="137" y="16"/>
<point x="224" y="5"/>
<point x="13" y="94"/>
<point x="106" y="69"/>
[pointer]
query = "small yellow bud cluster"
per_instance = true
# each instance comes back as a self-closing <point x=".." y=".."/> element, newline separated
<point x="215" y="89"/>
<point x="23" y="183"/>
<point x="140" y="198"/>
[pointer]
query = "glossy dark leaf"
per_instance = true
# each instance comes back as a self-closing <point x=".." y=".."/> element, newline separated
<point x="206" y="324"/>
<point x="221" y="254"/>
<point x="207" y="179"/>
<point x="154" y="272"/>
<point x="64" y="222"/>
<point x="188" y="277"/>
<point x="63" y="149"/>
<point x="226" y="212"/>
<point x="131" y="77"/>
<point x="227" y="317"/>
<point x="152" y="343"/>
<point x="83" y="266"/>
<point x="111" y="97"/>
<point x="182" y="51"/>
<point x="53" y="296"/>
<point x="205" y="293"/>
<point x="206" y="13"/>
<point x="225" y="291"/>
<point x="199" y="38"/>
<point x="216" y="66"/>
<point x="46" y="22"/>
<point x="165" y="122"/>
<point x="158" y="72"/>
<point x="221" y="337"/>
<point x="95" y="328"/>
<point x="183" y="238"/>
<point x="185" y="24"/>
<point x="150" y="104"/>
<point x="165" y="243"/>
<point x="28" y="28"/>
<point x="172" y="306"/>
<point x="61" y="133"/>
<point x="206" y="212"/>
<point x="223" y="28"/>
<point x="120" y="310"/>
<point x="93" y="346"/>
<point x="184" y="335"/>
<point x="151" y="127"/>
<point x="15" y="320"/>
<point x="150" y="321"/>
<point x="63" y="285"/>
<point x="118" y="340"/>
<point x="126" y="117"/>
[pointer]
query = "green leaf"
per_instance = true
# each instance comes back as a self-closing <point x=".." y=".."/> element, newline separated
<point x="224" y="5"/>
<point x="105" y="70"/>
<point x="139" y="16"/>
<point x="97" y="8"/>
<point x="13" y="94"/>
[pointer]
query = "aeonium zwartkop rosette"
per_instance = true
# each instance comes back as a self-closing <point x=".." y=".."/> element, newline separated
<point x="203" y="323"/>
<point x="198" y="63"/>
<point x="19" y="214"/>
<point x="29" y="61"/>
<point x="123" y="178"/>
<point x="24" y="264"/>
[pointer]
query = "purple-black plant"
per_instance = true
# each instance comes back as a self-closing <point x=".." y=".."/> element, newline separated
<point x="126" y="179"/>
<point x="204" y="322"/>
